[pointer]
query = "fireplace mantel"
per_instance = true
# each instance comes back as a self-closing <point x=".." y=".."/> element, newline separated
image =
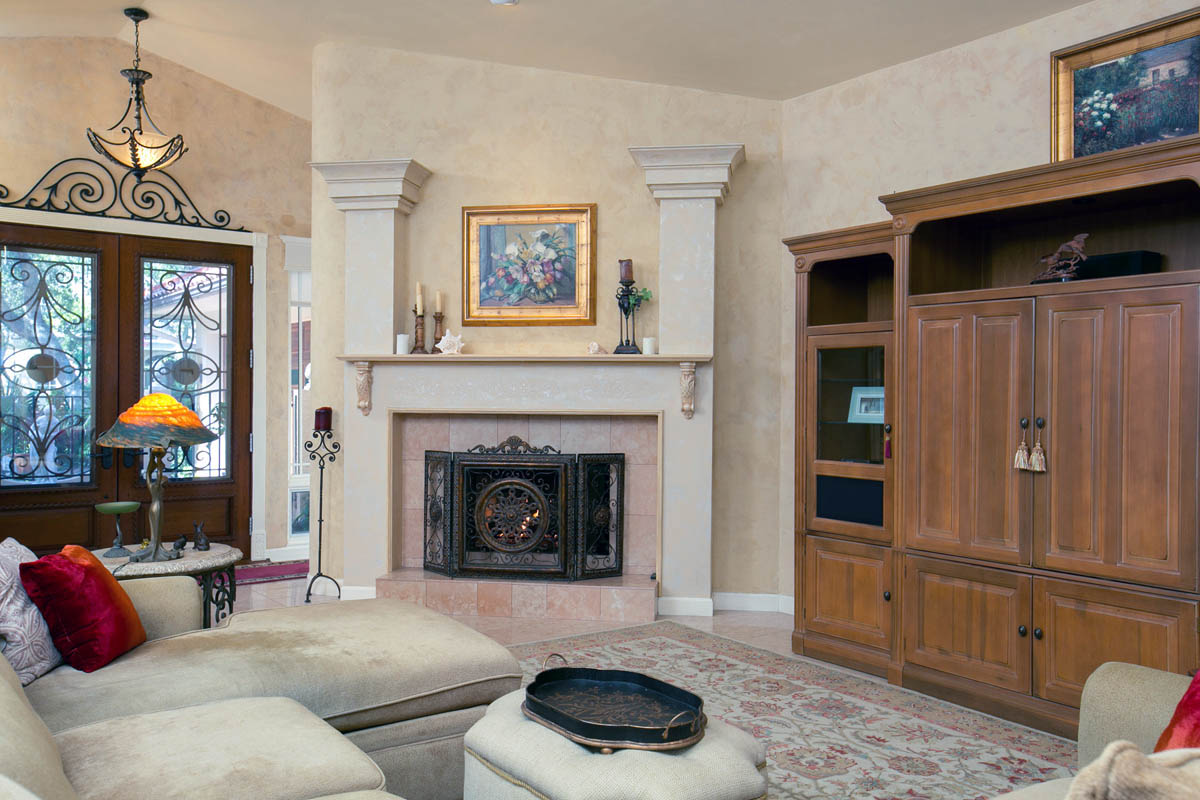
<point x="364" y="366"/>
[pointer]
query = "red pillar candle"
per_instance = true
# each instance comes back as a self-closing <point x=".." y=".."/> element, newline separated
<point x="626" y="269"/>
<point x="323" y="419"/>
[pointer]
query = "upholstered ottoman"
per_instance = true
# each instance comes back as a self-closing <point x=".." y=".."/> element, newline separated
<point x="511" y="757"/>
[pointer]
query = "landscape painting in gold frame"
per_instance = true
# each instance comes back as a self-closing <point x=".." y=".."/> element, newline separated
<point x="1130" y="88"/>
<point x="529" y="265"/>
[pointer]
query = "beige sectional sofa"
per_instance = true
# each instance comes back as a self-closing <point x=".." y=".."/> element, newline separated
<point x="1120" y="701"/>
<point x="303" y="702"/>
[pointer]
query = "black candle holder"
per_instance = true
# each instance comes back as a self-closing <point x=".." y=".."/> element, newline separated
<point x="321" y="448"/>
<point x="628" y="301"/>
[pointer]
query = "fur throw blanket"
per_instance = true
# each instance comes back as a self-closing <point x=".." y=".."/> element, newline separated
<point x="1122" y="772"/>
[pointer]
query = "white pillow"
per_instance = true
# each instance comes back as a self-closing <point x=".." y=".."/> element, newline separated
<point x="24" y="638"/>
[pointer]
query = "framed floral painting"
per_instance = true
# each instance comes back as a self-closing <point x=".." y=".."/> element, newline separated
<point x="1130" y="88"/>
<point x="529" y="265"/>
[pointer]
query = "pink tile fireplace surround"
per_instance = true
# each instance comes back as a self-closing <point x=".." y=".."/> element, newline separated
<point x="631" y="597"/>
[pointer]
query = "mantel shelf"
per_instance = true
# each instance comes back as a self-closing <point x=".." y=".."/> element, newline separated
<point x="364" y="368"/>
<point x="497" y="358"/>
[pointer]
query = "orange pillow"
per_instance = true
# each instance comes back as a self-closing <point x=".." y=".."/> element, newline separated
<point x="1184" y="728"/>
<point x="91" y="618"/>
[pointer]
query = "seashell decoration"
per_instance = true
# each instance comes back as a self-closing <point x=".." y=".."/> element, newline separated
<point x="451" y="344"/>
<point x="595" y="349"/>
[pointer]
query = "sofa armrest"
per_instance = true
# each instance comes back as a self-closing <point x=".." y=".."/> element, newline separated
<point x="167" y="605"/>
<point x="1126" y="701"/>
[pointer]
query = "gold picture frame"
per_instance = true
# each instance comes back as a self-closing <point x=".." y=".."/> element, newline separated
<point x="1127" y="101"/>
<point x="529" y="265"/>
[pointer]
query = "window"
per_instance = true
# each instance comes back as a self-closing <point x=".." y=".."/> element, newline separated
<point x="299" y="384"/>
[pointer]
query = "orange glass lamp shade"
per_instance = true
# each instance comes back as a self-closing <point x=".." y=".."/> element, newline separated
<point x="157" y="420"/>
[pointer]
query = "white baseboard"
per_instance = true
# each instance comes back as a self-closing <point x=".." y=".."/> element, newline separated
<point x="258" y="545"/>
<point x="293" y="552"/>
<point x="686" y="606"/>
<point x="744" y="601"/>
<point x="358" y="592"/>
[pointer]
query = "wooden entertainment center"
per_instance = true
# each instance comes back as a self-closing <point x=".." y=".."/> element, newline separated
<point x="922" y="553"/>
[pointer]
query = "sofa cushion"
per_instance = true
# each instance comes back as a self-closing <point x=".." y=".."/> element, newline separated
<point x="90" y="616"/>
<point x="28" y="753"/>
<point x="356" y="664"/>
<point x="24" y="637"/>
<point x="268" y="748"/>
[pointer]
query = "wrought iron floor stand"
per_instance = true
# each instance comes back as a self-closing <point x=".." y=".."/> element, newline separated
<point x="321" y="448"/>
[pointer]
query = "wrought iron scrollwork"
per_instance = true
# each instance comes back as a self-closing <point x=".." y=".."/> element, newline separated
<point x="514" y="446"/>
<point x="220" y="593"/>
<point x="85" y="186"/>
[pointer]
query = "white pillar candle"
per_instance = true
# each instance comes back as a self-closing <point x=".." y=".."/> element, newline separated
<point x="420" y="300"/>
<point x="437" y="302"/>
<point x="403" y="344"/>
<point x="649" y="346"/>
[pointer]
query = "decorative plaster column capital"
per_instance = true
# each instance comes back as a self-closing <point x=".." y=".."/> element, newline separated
<point x="690" y="171"/>
<point x="393" y="183"/>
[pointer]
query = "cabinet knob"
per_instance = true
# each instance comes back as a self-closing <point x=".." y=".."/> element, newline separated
<point x="1040" y="422"/>
<point x="1037" y="633"/>
<point x="1022" y="630"/>
<point x="887" y="597"/>
<point x="887" y="428"/>
<point x="1024" y="423"/>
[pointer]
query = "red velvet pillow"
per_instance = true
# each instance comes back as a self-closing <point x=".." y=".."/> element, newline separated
<point x="1184" y="728"/>
<point x="91" y="618"/>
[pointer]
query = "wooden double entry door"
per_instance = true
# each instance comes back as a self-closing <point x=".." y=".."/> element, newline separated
<point x="89" y="323"/>
<point x="1026" y="580"/>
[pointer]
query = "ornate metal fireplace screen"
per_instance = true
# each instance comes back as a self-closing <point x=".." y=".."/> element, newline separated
<point x="523" y="512"/>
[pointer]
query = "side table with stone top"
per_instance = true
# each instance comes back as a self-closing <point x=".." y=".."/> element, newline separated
<point x="212" y="568"/>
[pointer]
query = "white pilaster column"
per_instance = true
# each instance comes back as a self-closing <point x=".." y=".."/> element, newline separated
<point x="377" y="197"/>
<point x="689" y="183"/>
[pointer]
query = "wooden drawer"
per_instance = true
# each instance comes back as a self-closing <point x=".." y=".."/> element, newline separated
<point x="1077" y="627"/>
<point x="848" y="590"/>
<point x="966" y="621"/>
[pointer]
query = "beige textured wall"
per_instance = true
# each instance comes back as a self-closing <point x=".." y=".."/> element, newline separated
<point x="244" y="156"/>
<point x="979" y="108"/>
<point x="497" y="135"/>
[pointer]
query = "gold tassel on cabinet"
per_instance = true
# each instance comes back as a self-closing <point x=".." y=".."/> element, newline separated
<point x="1037" y="459"/>
<point x="1021" y="460"/>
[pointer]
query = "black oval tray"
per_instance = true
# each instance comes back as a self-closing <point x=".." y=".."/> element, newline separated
<point x="615" y="709"/>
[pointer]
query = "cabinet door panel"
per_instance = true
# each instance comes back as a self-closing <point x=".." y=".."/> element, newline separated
<point x="969" y="386"/>
<point x="964" y="620"/>
<point x="1084" y="626"/>
<point x="844" y="591"/>
<point x="1117" y="383"/>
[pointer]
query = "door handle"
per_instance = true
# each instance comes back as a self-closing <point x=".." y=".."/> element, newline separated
<point x="887" y="597"/>
<point x="104" y="455"/>
<point x="129" y="457"/>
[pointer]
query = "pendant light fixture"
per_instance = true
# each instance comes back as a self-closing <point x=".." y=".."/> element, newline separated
<point x="135" y="147"/>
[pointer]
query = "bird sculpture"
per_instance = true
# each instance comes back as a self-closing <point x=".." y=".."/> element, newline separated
<point x="180" y="544"/>
<point x="1063" y="263"/>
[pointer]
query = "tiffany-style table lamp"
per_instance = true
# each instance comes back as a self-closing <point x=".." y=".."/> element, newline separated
<point x="156" y="422"/>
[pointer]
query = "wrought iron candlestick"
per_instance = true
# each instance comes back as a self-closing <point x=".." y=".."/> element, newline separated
<point x="627" y="303"/>
<point x="321" y="448"/>
<point x="418" y="333"/>
<point x="438" y="331"/>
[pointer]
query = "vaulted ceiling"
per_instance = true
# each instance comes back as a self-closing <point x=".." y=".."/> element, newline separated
<point x="761" y="48"/>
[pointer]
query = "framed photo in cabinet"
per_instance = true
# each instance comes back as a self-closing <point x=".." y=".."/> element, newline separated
<point x="866" y="405"/>
<point x="1130" y="88"/>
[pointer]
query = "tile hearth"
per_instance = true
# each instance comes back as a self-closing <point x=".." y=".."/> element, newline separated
<point x="629" y="598"/>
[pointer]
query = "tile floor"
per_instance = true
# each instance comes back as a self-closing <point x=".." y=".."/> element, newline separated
<point x="768" y="630"/>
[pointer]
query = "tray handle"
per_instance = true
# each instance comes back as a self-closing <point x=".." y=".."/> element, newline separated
<point x="554" y="655"/>
<point x="695" y="719"/>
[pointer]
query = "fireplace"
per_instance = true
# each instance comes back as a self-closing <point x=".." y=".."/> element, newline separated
<point x="518" y="511"/>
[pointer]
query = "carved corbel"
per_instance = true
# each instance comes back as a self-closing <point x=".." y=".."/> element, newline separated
<point x="687" y="388"/>
<point x="363" y="380"/>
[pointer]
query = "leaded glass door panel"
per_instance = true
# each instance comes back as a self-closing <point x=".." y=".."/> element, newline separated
<point x="58" y="379"/>
<point x="191" y="340"/>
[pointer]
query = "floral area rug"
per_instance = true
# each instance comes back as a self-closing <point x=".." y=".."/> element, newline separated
<point x="829" y="732"/>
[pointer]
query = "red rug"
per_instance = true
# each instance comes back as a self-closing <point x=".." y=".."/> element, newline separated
<point x="267" y="571"/>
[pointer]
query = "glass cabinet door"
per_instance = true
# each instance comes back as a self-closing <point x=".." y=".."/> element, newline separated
<point x="849" y="435"/>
